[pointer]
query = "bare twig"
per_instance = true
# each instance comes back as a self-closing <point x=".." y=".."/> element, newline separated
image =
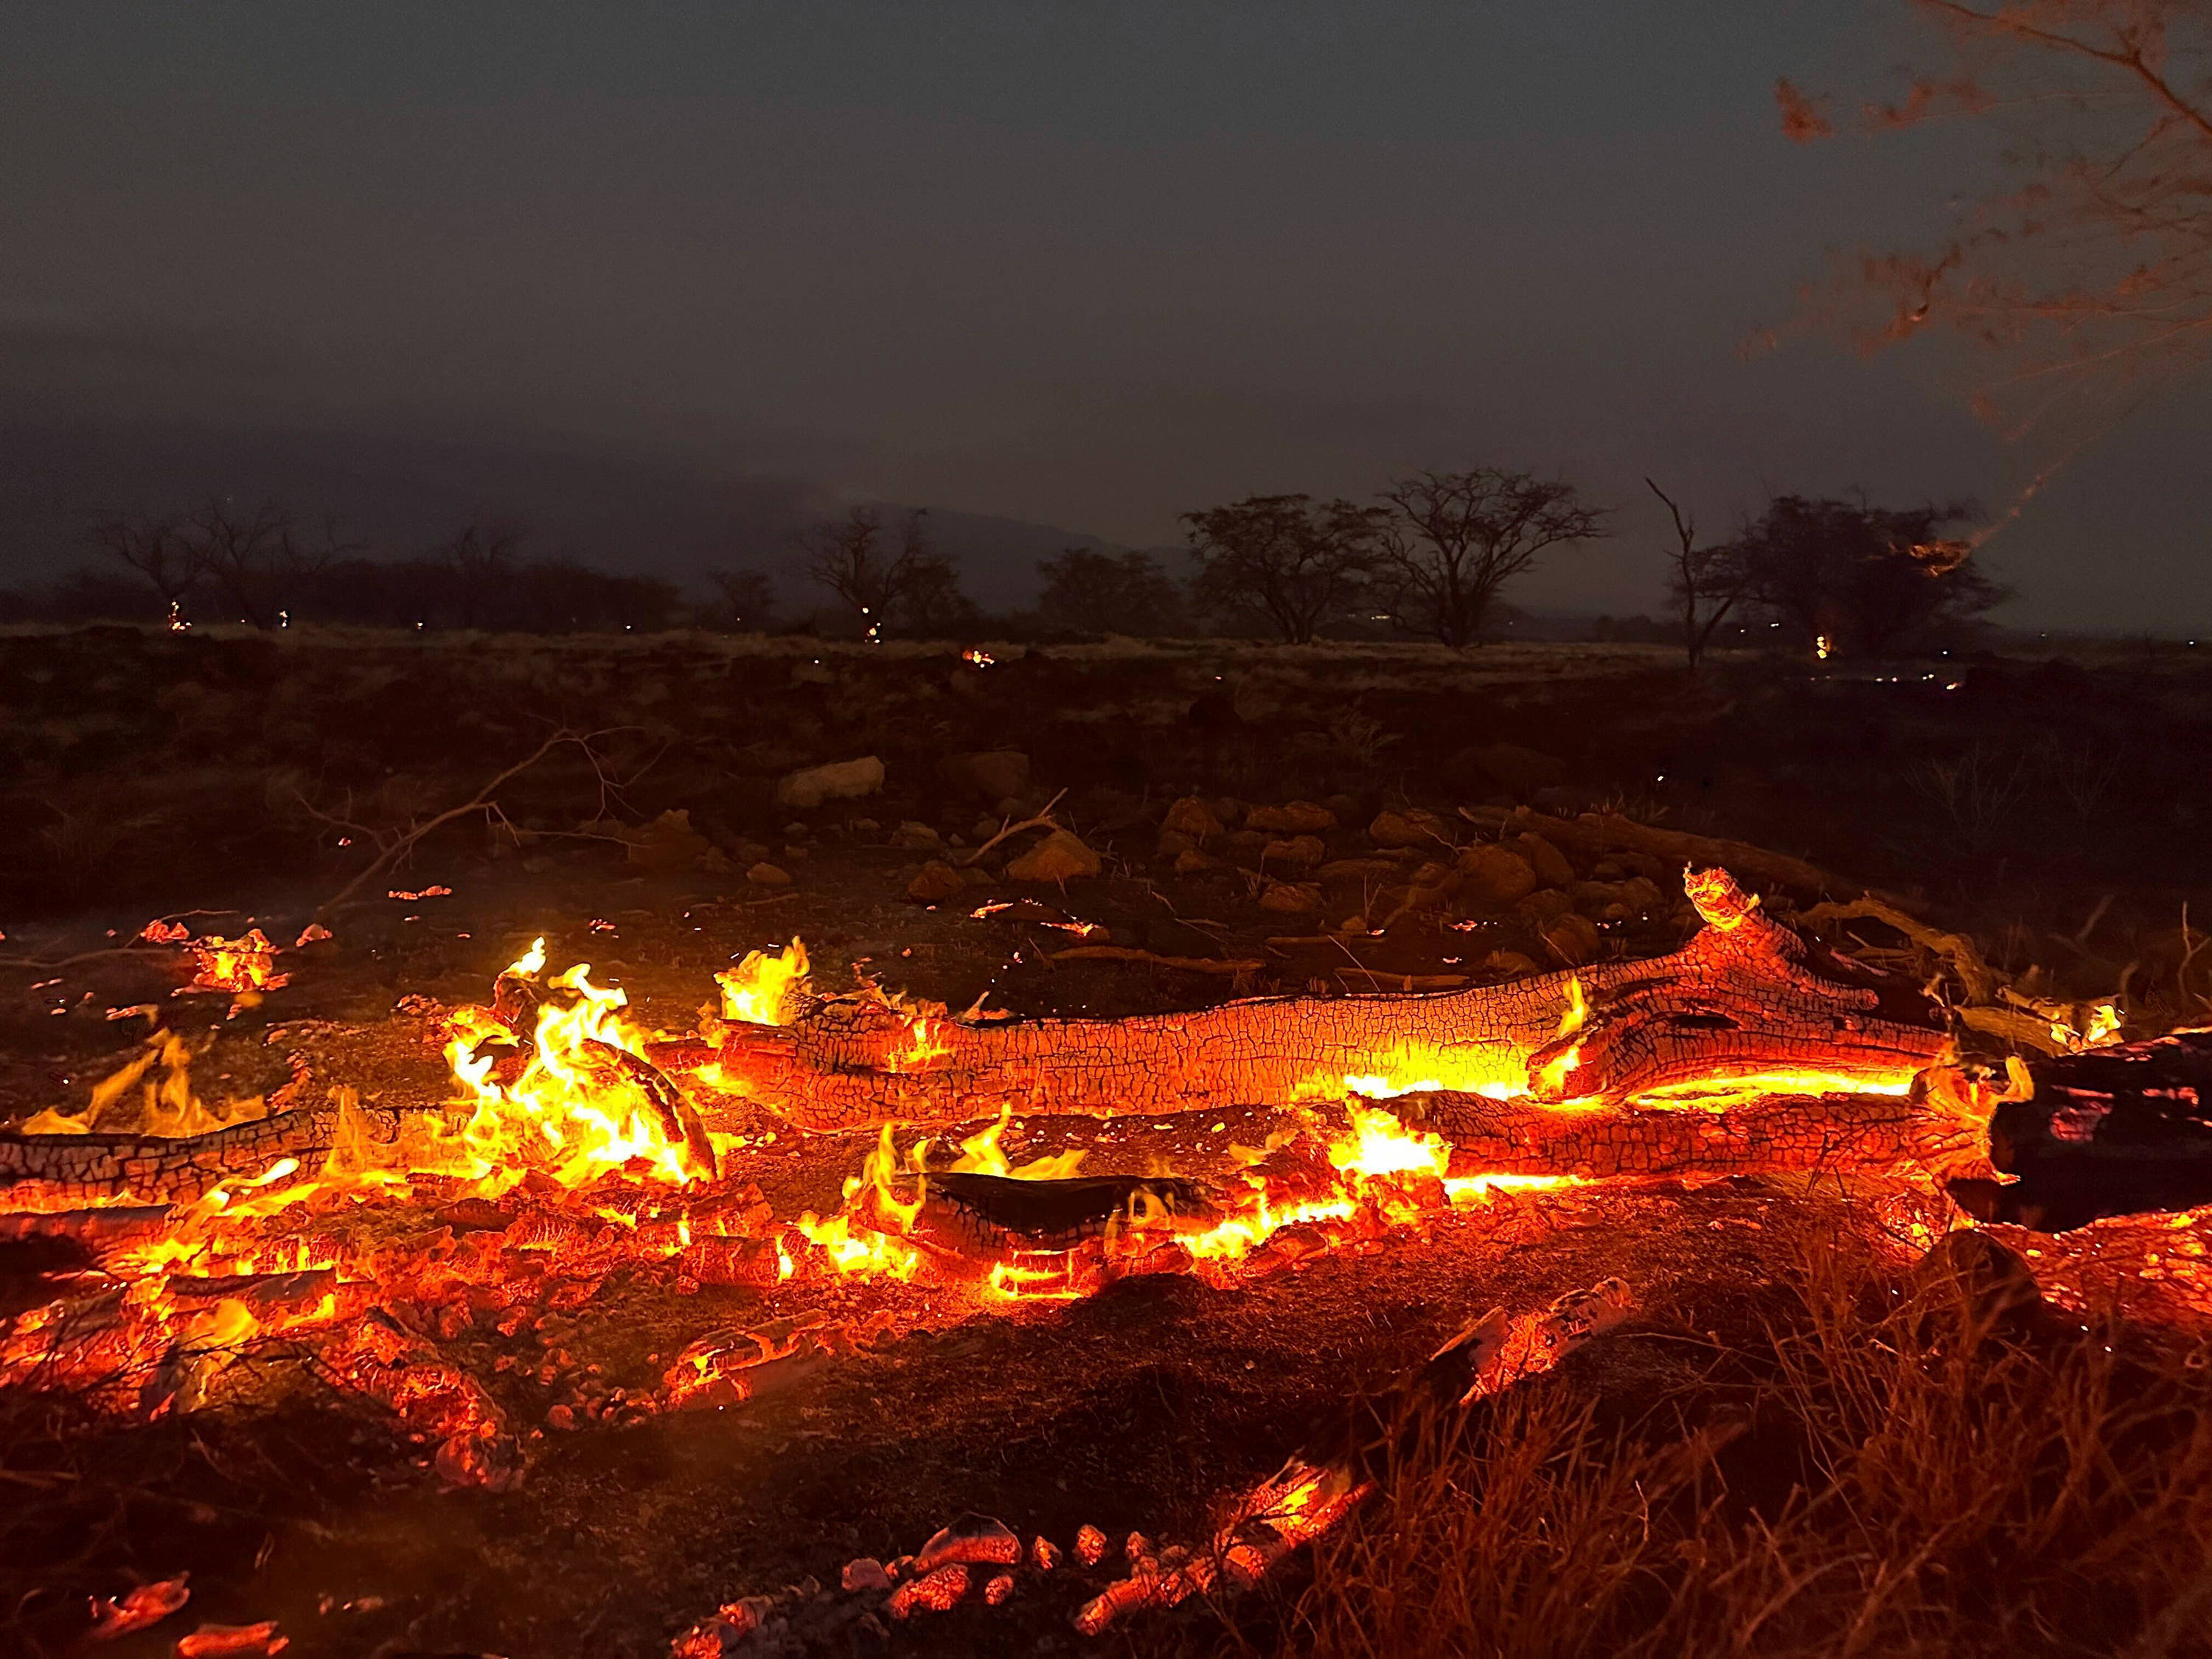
<point x="1130" y="953"/>
<point x="1043" y="820"/>
<point x="484" y="801"/>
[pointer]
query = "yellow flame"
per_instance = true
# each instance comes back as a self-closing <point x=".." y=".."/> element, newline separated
<point x="760" y="989"/>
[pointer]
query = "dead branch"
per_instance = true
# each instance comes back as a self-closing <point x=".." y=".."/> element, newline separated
<point x="1607" y="832"/>
<point x="1043" y="820"/>
<point x="1130" y="953"/>
<point x="1982" y="982"/>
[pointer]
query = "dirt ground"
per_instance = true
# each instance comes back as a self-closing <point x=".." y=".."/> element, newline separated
<point x="2051" y="806"/>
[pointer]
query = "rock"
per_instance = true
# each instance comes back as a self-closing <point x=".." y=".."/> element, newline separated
<point x="1174" y="843"/>
<point x="1572" y="939"/>
<point x="805" y="790"/>
<point x="972" y="1541"/>
<point x="914" y="836"/>
<point x="1415" y="827"/>
<point x="1537" y="911"/>
<point x="1229" y="810"/>
<point x="1300" y="818"/>
<point x="991" y="776"/>
<point x="1191" y="816"/>
<point x="1549" y="863"/>
<point x="937" y="880"/>
<point x="765" y="874"/>
<point x="975" y="875"/>
<point x="1521" y="772"/>
<point x="1296" y="898"/>
<point x="1298" y="852"/>
<point x="1244" y="847"/>
<point x="713" y="862"/>
<point x="1493" y="877"/>
<point x="1058" y="857"/>
<point x="1191" y="862"/>
<point x="1509" y="961"/>
<point x="669" y="842"/>
<point x="865" y="1572"/>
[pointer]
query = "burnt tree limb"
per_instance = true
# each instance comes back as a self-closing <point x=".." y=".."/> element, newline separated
<point x="1746" y="997"/>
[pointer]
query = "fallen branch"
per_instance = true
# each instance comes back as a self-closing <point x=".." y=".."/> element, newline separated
<point x="1130" y="953"/>
<point x="484" y="801"/>
<point x="1043" y="820"/>
<point x="1607" y="832"/>
<point x="1980" y="980"/>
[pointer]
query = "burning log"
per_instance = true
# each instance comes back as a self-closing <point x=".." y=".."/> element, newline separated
<point x="987" y="1217"/>
<point x="380" y="1358"/>
<point x="64" y="1169"/>
<point x="1745" y="997"/>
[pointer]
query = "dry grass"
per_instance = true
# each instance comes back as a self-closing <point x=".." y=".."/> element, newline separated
<point x="1882" y="1471"/>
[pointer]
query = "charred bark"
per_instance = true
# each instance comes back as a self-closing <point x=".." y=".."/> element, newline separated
<point x="1746" y="997"/>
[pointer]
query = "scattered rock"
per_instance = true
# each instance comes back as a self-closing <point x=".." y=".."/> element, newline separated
<point x="713" y="862"/>
<point x="1190" y="861"/>
<point x="976" y="1540"/>
<point x="1509" y="961"/>
<point x="914" y="836"/>
<point x="936" y="881"/>
<point x="1174" y="843"/>
<point x="1539" y="910"/>
<point x="1298" y="852"/>
<point x="1191" y="816"/>
<point x="1415" y="827"/>
<point x="765" y="874"/>
<point x="1229" y="810"/>
<point x="991" y="776"/>
<point x="1549" y="863"/>
<point x="1572" y="939"/>
<point x="1058" y="857"/>
<point x="1493" y="877"/>
<point x="667" y="843"/>
<point x="1300" y="818"/>
<point x="1244" y="847"/>
<point x="839" y="780"/>
<point x="865" y="1573"/>
<point x="1296" y="898"/>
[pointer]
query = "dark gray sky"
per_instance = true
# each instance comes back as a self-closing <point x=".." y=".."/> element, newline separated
<point x="1085" y="265"/>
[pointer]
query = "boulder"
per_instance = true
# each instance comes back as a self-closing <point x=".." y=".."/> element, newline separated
<point x="937" y="880"/>
<point x="1493" y="877"/>
<point x="1191" y="816"/>
<point x="1190" y="862"/>
<point x="1300" y="818"/>
<point x="1415" y="826"/>
<point x="669" y="842"/>
<point x="1535" y="912"/>
<point x="1509" y="961"/>
<point x="805" y="790"/>
<point x="914" y="836"/>
<point x="992" y="774"/>
<point x="765" y="874"/>
<point x="1549" y="863"/>
<point x="1058" y="857"/>
<point x="1298" y="852"/>
<point x="1295" y="898"/>
<point x="1573" y="939"/>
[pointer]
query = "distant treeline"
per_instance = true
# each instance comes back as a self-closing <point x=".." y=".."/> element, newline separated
<point x="1426" y="558"/>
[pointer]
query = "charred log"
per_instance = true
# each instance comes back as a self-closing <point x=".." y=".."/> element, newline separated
<point x="2115" y="1131"/>
<point x="1746" y="997"/>
<point x="66" y="1170"/>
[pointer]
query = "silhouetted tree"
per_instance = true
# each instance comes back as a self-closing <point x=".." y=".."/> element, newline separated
<point x="850" y="558"/>
<point x="1863" y="580"/>
<point x="1450" y="540"/>
<point x="932" y="607"/>
<point x="2094" y="269"/>
<point x="1707" y="582"/>
<point x="478" y="564"/>
<point x="261" y="563"/>
<point x="158" y="550"/>
<point x="744" y="601"/>
<point x="1103" y="593"/>
<point x="1295" y="562"/>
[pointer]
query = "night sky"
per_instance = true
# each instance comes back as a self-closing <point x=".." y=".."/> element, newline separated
<point x="1086" y="266"/>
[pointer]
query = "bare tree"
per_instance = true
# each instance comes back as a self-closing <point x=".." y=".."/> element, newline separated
<point x="263" y="562"/>
<point x="158" y="549"/>
<point x="1297" y="562"/>
<point x="1450" y="540"/>
<point x="481" y="560"/>
<point x="1707" y="582"/>
<point x="2093" y="272"/>
<point x="747" y="600"/>
<point x="848" y="557"/>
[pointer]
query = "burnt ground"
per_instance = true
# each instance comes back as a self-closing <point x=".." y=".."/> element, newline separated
<point x="150" y="775"/>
